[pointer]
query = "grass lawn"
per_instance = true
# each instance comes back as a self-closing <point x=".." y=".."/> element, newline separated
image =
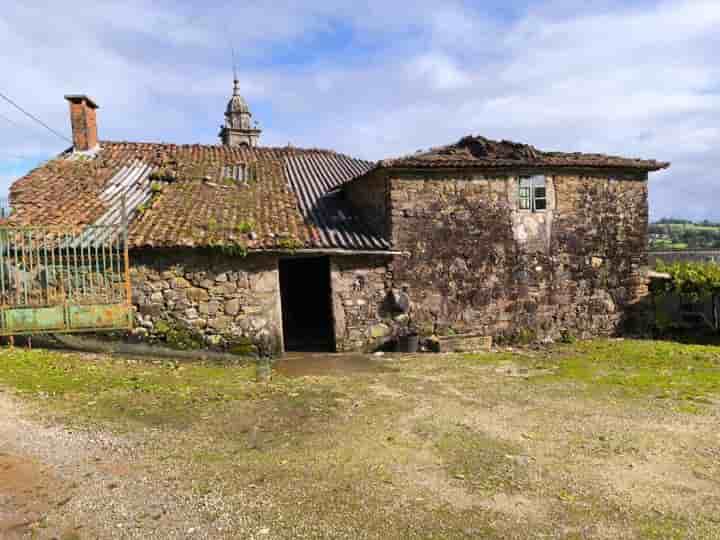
<point x="601" y="439"/>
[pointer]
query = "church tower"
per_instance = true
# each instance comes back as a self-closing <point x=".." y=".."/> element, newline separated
<point x="239" y="128"/>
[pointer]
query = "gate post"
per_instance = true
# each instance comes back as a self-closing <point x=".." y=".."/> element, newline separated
<point x="126" y="256"/>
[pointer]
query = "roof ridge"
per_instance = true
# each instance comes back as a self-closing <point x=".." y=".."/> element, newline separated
<point x="221" y="147"/>
<point x="476" y="150"/>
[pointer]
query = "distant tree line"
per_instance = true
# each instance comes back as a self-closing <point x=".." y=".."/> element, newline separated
<point x="673" y="233"/>
<point x="678" y="221"/>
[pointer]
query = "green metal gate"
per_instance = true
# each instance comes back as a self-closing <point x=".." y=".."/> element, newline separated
<point x="59" y="281"/>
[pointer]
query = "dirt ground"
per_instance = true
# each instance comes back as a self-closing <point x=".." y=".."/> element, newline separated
<point x="521" y="444"/>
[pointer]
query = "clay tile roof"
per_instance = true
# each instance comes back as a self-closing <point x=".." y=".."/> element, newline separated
<point x="476" y="151"/>
<point x="201" y="195"/>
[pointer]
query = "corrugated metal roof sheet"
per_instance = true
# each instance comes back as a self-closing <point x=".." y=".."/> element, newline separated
<point x="315" y="179"/>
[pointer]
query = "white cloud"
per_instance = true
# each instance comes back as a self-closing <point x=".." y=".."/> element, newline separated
<point x="439" y="71"/>
<point x="386" y="78"/>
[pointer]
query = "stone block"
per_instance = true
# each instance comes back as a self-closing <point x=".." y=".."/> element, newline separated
<point x="258" y="323"/>
<point x="158" y="285"/>
<point x="199" y="323"/>
<point x="264" y="282"/>
<point x="196" y="294"/>
<point x="150" y="310"/>
<point x="170" y="294"/>
<point x="464" y="343"/>
<point x="180" y="283"/>
<point x="220" y="323"/>
<point x="228" y="288"/>
<point x="232" y="307"/>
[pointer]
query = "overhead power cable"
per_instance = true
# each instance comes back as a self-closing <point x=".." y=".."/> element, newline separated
<point x="35" y="118"/>
<point x="10" y="120"/>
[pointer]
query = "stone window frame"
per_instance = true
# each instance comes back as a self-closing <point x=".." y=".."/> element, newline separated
<point x="531" y="201"/>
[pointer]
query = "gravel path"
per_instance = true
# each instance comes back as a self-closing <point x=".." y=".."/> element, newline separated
<point x="56" y="483"/>
<point x="442" y="448"/>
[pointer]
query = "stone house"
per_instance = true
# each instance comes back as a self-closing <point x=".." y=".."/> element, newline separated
<point x="242" y="246"/>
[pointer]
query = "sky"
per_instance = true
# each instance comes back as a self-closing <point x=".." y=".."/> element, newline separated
<point x="380" y="78"/>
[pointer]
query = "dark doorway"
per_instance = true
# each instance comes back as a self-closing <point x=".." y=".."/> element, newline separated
<point x="307" y="304"/>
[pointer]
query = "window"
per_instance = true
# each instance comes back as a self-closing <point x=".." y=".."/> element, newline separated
<point x="533" y="194"/>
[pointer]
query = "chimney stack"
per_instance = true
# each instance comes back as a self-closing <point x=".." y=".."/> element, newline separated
<point x="84" y="122"/>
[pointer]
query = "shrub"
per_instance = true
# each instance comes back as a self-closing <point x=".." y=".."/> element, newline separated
<point x="694" y="281"/>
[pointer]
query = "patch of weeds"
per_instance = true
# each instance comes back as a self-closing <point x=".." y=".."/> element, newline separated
<point x="612" y="444"/>
<point x="161" y="327"/>
<point x="482" y="462"/>
<point x="243" y="347"/>
<point x="524" y="336"/>
<point x="234" y="250"/>
<point x="663" y="527"/>
<point x="634" y="368"/>
<point x="207" y="456"/>
<point x="83" y="388"/>
<point x="178" y="337"/>
<point x="246" y="227"/>
<point x="183" y="339"/>
<point x="289" y="243"/>
<point x="162" y="175"/>
<point x="581" y="513"/>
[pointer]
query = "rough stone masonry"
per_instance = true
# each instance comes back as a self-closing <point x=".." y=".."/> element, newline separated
<point x="474" y="263"/>
<point x="477" y="263"/>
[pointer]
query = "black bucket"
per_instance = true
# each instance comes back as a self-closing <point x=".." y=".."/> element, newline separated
<point x="408" y="344"/>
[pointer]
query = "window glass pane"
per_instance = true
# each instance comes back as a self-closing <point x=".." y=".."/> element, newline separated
<point x="532" y="194"/>
<point x="526" y="181"/>
<point x="524" y="196"/>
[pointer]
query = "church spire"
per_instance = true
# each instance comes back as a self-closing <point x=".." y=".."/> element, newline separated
<point x="239" y="128"/>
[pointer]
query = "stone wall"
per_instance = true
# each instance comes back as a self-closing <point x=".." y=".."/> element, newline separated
<point x="360" y="288"/>
<point x="195" y="298"/>
<point x="370" y="198"/>
<point x="478" y="264"/>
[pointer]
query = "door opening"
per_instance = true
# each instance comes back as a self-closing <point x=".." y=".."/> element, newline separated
<point x="307" y="304"/>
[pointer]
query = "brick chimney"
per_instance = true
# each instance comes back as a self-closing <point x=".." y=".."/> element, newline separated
<point x="84" y="122"/>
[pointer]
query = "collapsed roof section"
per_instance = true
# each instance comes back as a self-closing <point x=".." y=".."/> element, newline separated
<point x="477" y="151"/>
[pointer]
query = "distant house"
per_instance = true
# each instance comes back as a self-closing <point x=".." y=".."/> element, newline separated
<point x="239" y="245"/>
